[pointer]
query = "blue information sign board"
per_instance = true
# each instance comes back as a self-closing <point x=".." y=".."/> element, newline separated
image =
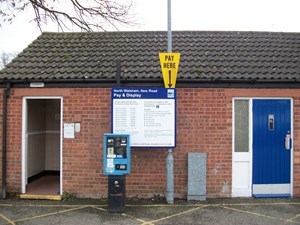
<point x="147" y="114"/>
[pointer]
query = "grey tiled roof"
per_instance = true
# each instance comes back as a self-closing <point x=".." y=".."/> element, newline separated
<point x="210" y="56"/>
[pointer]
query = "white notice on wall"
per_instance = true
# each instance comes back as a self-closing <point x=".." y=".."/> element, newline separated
<point x="69" y="131"/>
<point x="77" y="127"/>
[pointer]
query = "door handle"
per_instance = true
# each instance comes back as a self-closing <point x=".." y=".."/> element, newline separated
<point x="288" y="141"/>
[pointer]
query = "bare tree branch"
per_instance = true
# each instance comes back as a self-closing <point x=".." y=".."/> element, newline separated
<point x="5" y="58"/>
<point x="88" y="15"/>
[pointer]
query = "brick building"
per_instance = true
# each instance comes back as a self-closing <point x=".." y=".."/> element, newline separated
<point x="238" y="100"/>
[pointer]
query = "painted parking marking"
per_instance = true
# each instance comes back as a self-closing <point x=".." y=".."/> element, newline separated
<point x="218" y="204"/>
<point x="258" y="214"/>
<point x="6" y="205"/>
<point x="135" y="218"/>
<point x="99" y="208"/>
<point x="161" y="205"/>
<point x="226" y="206"/>
<point x="49" y="214"/>
<point x="6" y="219"/>
<point x="123" y="214"/>
<point x="291" y="220"/>
<point x="62" y="206"/>
<point x="257" y="204"/>
<point x="176" y="214"/>
<point x="194" y="207"/>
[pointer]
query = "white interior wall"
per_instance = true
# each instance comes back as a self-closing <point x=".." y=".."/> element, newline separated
<point x="43" y="135"/>
<point x="52" y="135"/>
<point x="35" y="137"/>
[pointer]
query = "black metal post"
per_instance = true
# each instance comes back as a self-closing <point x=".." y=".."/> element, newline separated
<point x="118" y="73"/>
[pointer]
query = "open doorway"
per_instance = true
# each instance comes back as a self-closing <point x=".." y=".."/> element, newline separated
<point x="41" y="146"/>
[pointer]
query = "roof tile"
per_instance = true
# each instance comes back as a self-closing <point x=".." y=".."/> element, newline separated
<point x="204" y="55"/>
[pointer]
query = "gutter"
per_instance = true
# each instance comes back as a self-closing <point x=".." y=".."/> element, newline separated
<point x="85" y="82"/>
<point x="4" y="138"/>
<point x="156" y="82"/>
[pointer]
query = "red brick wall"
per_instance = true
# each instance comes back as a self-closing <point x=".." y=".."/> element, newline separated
<point x="204" y="124"/>
<point x="1" y="112"/>
<point x="14" y="142"/>
<point x="82" y="156"/>
<point x="296" y="146"/>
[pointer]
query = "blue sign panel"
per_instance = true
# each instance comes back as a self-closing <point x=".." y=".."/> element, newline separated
<point x="147" y="114"/>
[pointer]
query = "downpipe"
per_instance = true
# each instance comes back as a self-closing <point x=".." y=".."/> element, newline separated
<point x="4" y="138"/>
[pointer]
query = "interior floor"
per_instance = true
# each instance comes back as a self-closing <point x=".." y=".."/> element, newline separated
<point x="45" y="185"/>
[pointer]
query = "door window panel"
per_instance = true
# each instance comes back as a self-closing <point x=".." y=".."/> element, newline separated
<point x="241" y="126"/>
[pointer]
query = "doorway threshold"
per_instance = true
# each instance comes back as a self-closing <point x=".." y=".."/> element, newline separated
<point x="41" y="197"/>
<point x="271" y="195"/>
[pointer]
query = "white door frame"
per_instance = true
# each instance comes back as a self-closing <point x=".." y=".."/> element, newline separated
<point x="247" y="157"/>
<point x="24" y="138"/>
<point x="242" y="161"/>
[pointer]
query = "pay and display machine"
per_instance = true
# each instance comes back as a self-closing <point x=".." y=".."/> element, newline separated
<point x="116" y="164"/>
<point x="116" y="154"/>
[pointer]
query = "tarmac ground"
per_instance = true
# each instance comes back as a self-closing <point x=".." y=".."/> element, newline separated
<point x="150" y="212"/>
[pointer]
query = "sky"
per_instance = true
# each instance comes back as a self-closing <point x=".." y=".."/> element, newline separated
<point x="206" y="15"/>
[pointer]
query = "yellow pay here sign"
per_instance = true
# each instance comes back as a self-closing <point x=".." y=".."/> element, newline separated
<point x="169" y="63"/>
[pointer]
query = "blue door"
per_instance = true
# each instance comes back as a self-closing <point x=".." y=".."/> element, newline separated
<point x="271" y="148"/>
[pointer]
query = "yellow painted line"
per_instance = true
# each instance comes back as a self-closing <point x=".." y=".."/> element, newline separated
<point x="50" y="214"/>
<point x="99" y="208"/>
<point x="158" y="205"/>
<point x="6" y="219"/>
<point x="123" y="214"/>
<point x="176" y="214"/>
<point x="45" y="197"/>
<point x="291" y="220"/>
<point x="256" y="214"/>
<point x="257" y="204"/>
<point x="62" y="206"/>
<point x="134" y="218"/>
<point x="148" y="223"/>
<point x="58" y="205"/>
<point x="8" y="205"/>
<point x="194" y="208"/>
<point x="218" y="204"/>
